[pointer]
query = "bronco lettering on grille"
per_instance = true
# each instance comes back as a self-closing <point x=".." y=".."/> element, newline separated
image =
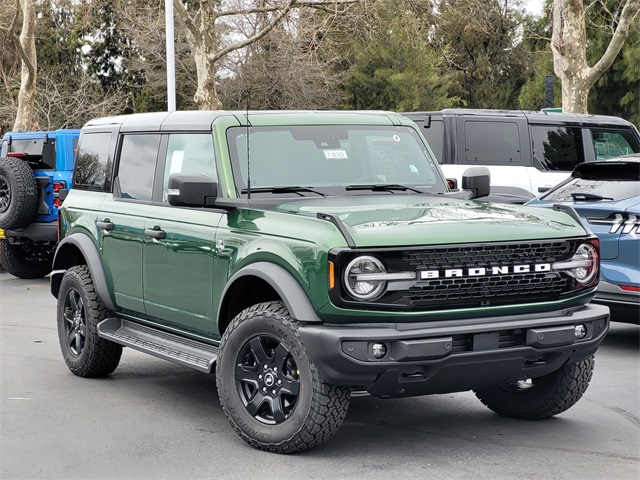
<point x="482" y="271"/>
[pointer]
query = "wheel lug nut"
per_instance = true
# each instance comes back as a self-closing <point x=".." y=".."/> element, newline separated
<point x="264" y="389"/>
<point x="265" y="367"/>
<point x="259" y="377"/>
<point x="273" y="392"/>
<point x="279" y="382"/>
<point x="275" y="369"/>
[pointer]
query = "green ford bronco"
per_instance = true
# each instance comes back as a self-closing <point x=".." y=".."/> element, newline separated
<point x="304" y="256"/>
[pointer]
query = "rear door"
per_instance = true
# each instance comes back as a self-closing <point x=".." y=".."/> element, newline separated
<point x="122" y="219"/>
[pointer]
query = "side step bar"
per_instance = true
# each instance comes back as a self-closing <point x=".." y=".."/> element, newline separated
<point x="189" y="353"/>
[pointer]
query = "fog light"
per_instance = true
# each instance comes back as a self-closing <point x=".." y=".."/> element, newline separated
<point x="580" y="331"/>
<point x="378" y="350"/>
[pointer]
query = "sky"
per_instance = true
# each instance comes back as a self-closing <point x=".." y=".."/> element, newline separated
<point x="534" y="6"/>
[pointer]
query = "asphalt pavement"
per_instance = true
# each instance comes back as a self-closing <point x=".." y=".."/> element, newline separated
<point x="154" y="420"/>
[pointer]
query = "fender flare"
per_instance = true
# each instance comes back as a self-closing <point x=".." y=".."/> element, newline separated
<point x="287" y="287"/>
<point x="94" y="262"/>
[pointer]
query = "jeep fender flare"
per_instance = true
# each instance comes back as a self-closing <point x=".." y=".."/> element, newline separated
<point x="91" y="255"/>
<point x="285" y="285"/>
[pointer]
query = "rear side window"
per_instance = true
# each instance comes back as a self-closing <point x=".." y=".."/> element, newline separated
<point x="613" y="143"/>
<point x="137" y="165"/>
<point x="93" y="164"/>
<point x="492" y="143"/>
<point x="556" y="148"/>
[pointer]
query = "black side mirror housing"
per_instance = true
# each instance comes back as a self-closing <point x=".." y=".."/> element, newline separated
<point x="191" y="190"/>
<point x="478" y="180"/>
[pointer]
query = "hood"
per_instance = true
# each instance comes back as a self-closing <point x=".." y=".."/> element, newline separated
<point x="391" y="220"/>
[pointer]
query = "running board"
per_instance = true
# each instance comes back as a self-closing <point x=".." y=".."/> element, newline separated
<point x="158" y="343"/>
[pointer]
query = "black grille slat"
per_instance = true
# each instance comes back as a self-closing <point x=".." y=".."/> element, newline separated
<point x="485" y="289"/>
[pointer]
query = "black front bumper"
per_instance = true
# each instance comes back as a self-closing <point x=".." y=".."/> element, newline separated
<point x="452" y="356"/>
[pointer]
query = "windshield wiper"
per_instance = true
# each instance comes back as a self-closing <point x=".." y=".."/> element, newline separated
<point x="290" y="189"/>
<point x="383" y="187"/>
<point x="588" y="197"/>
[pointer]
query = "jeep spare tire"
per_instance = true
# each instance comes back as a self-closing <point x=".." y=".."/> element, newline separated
<point x="18" y="193"/>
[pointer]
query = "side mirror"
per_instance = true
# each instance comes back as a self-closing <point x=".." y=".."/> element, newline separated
<point x="478" y="180"/>
<point x="191" y="190"/>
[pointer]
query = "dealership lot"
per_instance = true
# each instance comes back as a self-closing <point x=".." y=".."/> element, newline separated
<point x="153" y="419"/>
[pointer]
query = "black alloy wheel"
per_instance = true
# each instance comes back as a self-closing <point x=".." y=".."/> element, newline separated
<point x="75" y="325"/>
<point x="267" y="379"/>
<point x="5" y="194"/>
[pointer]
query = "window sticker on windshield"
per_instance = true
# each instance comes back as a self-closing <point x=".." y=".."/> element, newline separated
<point x="335" y="154"/>
<point x="414" y="169"/>
<point x="396" y="138"/>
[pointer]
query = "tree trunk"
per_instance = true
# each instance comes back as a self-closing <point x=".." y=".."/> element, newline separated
<point x="26" y="46"/>
<point x="569" y="47"/>
<point x="206" y="96"/>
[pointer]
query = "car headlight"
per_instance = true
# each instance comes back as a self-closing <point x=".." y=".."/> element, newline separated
<point x="583" y="266"/>
<point x="364" y="278"/>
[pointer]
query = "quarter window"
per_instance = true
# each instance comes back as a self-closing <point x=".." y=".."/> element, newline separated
<point x="93" y="165"/>
<point x="137" y="165"/>
<point x="613" y="143"/>
<point x="556" y="148"/>
<point x="189" y="153"/>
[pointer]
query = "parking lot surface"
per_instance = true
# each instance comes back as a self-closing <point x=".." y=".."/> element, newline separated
<point x="153" y="419"/>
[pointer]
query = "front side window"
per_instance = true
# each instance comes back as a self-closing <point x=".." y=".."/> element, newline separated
<point x="613" y="143"/>
<point x="332" y="156"/>
<point x="556" y="148"/>
<point x="492" y="143"/>
<point x="137" y="165"/>
<point x="189" y="153"/>
<point x="93" y="165"/>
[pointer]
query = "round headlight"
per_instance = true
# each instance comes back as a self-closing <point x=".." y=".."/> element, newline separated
<point x="587" y="257"/>
<point x="360" y="278"/>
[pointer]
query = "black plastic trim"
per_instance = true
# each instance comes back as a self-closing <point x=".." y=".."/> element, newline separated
<point x="94" y="262"/>
<point x="338" y="223"/>
<point x="435" y="366"/>
<point x="287" y="287"/>
<point x="37" y="232"/>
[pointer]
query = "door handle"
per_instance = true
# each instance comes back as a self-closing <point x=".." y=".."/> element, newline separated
<point x="106" y="225"/>
<point x="154" y="233"/>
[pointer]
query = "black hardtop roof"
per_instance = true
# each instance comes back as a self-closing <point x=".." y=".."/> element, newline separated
<point x="194" y="120"/>
<point x="532" y="116"/>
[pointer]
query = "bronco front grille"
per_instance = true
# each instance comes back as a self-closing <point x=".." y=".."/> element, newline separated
<point x="470" y="291"/>
<point x="489" y="289"/>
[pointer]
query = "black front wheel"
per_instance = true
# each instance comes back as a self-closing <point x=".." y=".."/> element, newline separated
<point x="79" y="312"/>
<point x="540" y="397"/>
<point x="269" y="389"/>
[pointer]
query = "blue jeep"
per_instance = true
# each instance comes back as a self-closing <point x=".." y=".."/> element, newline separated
<point x="606" y="195"/>
<point x="35" y="174"/>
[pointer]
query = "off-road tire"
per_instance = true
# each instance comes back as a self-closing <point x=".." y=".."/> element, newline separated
<point x="319" y="409"/>
<point x="18" y="193"/>
<point x="26" y="260"/>
<point x="79" y="312"/>
<point x="547" y="396"/>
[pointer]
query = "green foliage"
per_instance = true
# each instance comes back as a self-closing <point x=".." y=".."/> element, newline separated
<point x="480" y="40"/>
<point x="394" y="67"/>
<point x="617" y="92"/>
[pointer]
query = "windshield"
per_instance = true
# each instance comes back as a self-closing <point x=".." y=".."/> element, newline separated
<point x="332" y="157"/>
